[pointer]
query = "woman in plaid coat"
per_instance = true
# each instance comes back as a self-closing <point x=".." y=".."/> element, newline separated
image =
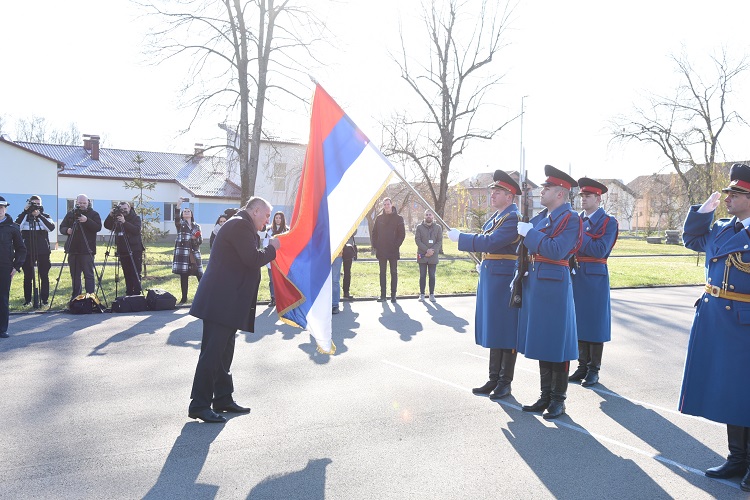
<point x="187" y="255"/>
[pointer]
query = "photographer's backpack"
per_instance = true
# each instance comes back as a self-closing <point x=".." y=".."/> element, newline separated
<point x="85" y="303"/>
<point x="160" y="300"/>
<point x="129" y="304"/>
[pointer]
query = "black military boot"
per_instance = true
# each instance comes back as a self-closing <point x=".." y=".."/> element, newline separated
<point x="583" y="361"/>
<point x="507" y="369"/>
<point x="595" y="363"/>
<point x="545" y="381"/>
<point x="496" y="358"/>
<point x="557" y="397"/>
<point x="736" y="463"/>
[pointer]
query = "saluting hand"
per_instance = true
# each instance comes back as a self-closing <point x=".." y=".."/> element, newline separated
<point x="710" y="204"/>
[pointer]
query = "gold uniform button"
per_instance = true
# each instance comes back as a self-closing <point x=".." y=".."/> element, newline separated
<point x="709" y="280"/>
<point x="727" y="308"/>
<point x="731" y="287"/>
<point x="705" y="300"/>
<point x="714" y="260"/>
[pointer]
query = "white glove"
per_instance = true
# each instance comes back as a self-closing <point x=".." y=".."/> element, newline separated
<point x="453" y="234"/>
<point x="523" y="227"/>
<point x="710" y="204"/>
<point x="479" y="268"/>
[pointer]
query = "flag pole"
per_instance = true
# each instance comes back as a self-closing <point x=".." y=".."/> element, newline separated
<point x="474" y="257"/>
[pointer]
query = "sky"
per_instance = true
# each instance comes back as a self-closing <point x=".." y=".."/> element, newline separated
<point x="576" y="66"/>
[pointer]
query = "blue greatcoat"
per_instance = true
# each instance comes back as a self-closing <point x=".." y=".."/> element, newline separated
<point x="547" y="320"/>
<point x="591" y="279"/>
<point x="495" y="324"/>
<point x="717" y="367"/>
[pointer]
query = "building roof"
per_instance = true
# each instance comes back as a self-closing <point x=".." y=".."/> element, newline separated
<point x="200" y="175"/>
<point x="60" y="164"/>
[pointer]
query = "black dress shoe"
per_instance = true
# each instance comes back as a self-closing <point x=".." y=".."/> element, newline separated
<point x="232" y="408"/>
<point x="485" y="389"/>
<point x="4" y="335"/>
<point x="727" y="470"/>
<point x="208" y="415"/>
<point x="381" y="299"/>
<point x="745" y="483"/>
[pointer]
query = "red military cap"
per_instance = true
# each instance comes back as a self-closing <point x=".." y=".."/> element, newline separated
<point x="557" y="177"/>
<point x="591" y="186"/>
<point x="504" y="181"/>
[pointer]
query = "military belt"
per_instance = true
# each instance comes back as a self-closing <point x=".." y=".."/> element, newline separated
<point x="581" y="258"/>
<point x="499" y="256"/>
<point x="539" y="258"/>
<point x="715" y="291"/>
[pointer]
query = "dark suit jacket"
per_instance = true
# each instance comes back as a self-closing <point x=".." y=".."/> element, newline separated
<point x="228" y="291"/>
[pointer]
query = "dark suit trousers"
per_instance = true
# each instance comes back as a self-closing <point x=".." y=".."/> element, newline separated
<point x="213" y="378"/>
<point x="394" y="275"/>
<point x="5" y="282"/>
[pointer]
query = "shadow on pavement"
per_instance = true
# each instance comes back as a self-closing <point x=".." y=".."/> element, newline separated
<point x="442" y="316"/>
<point x="184" y="464"/>
<point x="588" y="470"/>
<point x="308" y="484"/>
<point x="397" y="320"/>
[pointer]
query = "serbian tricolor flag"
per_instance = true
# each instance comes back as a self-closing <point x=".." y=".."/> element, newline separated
<point x="343" y="176"/>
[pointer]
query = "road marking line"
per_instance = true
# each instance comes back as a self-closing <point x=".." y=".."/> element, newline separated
<point x="576" y="428"/>
<point x="634" y="401"/>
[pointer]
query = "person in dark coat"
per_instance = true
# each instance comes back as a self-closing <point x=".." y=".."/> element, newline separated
<point x="226" y="300"/>
<point x="219" y="222"/>
<point x="127" y="228"/>
<point x="81" y="225"/>
<point x="591" y="282"/>
<point x="388" y="234"/>
<point x="186" y="260"/>
<point x="717" y="371"/>
<point x="348" y="257"/>
<point x="35" y="228"/>
<point x="12" y="256"/>
<point x="495" y="322"/>
<point x="547" y="319"/>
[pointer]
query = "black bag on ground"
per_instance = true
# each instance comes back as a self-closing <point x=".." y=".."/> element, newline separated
<point x="85" y="303"/>
<point x="129" y="304"/>
<point x="160" y="300"/>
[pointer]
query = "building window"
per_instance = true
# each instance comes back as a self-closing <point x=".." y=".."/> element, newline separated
<point x="168" y="211"/>
<point x="279" y="177"/>
<point x="70" y="204"/>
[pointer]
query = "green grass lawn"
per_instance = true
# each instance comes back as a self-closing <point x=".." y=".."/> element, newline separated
<point x="630" y="266"/>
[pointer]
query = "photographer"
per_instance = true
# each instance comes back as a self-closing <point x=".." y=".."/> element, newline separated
<point x="81" y="225"/>
<point x="35" y="228"/>
<point x="127" y="228"/>
<point x="187" y="255"/>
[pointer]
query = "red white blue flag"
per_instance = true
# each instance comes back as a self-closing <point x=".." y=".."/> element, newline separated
<point x="343" y="176"/>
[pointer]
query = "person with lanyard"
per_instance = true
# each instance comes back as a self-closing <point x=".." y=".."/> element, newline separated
<point x="591" y="282"/>
<point x="714" y="385"/>
<point x="547" y="320"/>
<point x="429" y="239"/>
<point x="495" y="322"/>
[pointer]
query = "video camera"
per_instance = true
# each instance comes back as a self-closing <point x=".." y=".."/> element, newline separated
<point x="117" y="210"/>
<point x="78" y="211"/>
<point x="34" y="205"/>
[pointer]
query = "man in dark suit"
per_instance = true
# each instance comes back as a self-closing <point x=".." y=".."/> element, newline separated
<point x="225" y="301"/>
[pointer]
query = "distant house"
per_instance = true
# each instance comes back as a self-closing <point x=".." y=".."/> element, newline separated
<point x="27" y="172"/>
<point x="211" y="183"/>
<point x="469" y="200"/>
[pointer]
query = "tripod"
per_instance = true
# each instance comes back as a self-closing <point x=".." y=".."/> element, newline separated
<point x="77" y="229"/>
<point x="119" y="230"/>
<point x="32" y="256"/>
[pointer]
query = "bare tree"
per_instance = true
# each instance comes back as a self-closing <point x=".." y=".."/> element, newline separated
<point x="687" y="127"/>
<point x="36" y="129"/>
<point x="243" y="53"/>
<point x="453" y="86"/>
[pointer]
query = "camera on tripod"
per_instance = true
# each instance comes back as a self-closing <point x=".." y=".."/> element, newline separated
<point x="78" y="211"/>
<point x="117" y="210"/>
<point x="33" y="205"/>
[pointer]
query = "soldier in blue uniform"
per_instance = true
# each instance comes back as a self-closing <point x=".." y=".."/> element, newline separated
<point x="717" y="366"/>
<point x="547" y="320"/>
<point x="495" y="323"/>
<point x="591" y="282"/>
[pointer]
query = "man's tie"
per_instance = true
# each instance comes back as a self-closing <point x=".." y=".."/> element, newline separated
<point x="738" y="226"/>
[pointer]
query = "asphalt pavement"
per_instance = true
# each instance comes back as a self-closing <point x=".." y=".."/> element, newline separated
<point x="96" y="407"/>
